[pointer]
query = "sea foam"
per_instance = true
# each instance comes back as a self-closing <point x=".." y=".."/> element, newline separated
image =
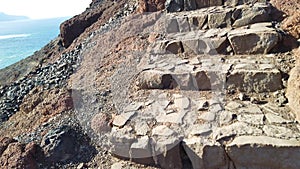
<point x="13" y="36"/>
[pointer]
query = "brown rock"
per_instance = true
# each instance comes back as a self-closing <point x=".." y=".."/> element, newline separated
<point x="4" y="142"/>
<point x="17" y="155"/>
<point x="74" y="27"/>
<point x="291" y="10"/>
<point x="151" y="5"/>
<point x="100" y="123"/>
<point x="293" y="88"/>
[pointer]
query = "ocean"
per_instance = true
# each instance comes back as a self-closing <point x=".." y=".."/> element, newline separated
<point x="20" y="39"/>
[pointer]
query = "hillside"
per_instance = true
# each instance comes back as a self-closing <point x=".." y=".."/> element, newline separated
<point x="150" y="84"/>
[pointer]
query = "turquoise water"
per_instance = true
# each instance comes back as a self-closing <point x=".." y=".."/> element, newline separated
<point x="20" y="39"/>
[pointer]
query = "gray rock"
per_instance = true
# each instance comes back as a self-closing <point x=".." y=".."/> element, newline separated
<point x="225" y="117"/>
<point x="120" y="120"/>
<point x="275" y="119"/>
<point x="153" y="79"/>
<point x="279" y="132"/>
<point x="255" y="80"/>
<point x="182" y="102"/>
<point x="133" y="107"/>
<point x="163" y="131"/>
<point x="250" y="15"/>
<point x="220" y="19"/>
<point x="251" y="109"/>
<point x="120" y="141"/>
<point x="238" y="128"/>
<point x="251" y="118"/>
<point x="208" y="116"/>
<point x="264" y="152"/>
<point x="118" y="165"/>
<point x="258" y="40"/>
<point x="201" y="129"/>
<point x="233" y="105"/>
<point x="141" y="148"/>
<point x="141" y="128"/>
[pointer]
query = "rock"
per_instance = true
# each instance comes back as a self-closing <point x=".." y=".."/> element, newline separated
<point x="133" y="107"/>
<point x="220" y="20"/>
<point x="151" y="5"/>
<point x="202" y="155"/>
<point x="279" y="132"/>
<point x="17" y="155"/>
<point x="264" y="152"/>
<point x="202" y="105"/>
<point x="281" y="100"/>
<point x="141" y="148"/>
<point x="72" y="28"/>
<point x="118" y="165"/>
<point x="201" y="129"/>
<point x="4" y="142"/>
<point x="174" y="117"/>
<point x="240" y="2"/>
<point x="250" y="15"/>
<point x="216" y="108"/>
<point x="259" y="40"/>
<point x="243" y="96"/>
<point x="182" y="102"/>
<point x="238" y="128"/>
<point x="81" y="166"/>
<point x="226" y="117"/>
<point x="275" y="119"/>
<point x="163" y="131"/>
<point x="100" y="123"/>
<point x="121" y="141"/>
<point x="233" y="105"/>
<point x="292" y="94"/>
<point x="153" y="79"/>
<point x="142" y="128"/>
<point x="202" y="80"/>
<point x="167" y="150"/>
<point x="254" y="80"/>
<point x="180" y="5"/>
<point x="120" y="120"/>
<point x="208" y="116"/>
<point x="251" y="109"/>
<point x="174" y="47"/>
<point x="251" y="118"/>
<point x="68" y="140"/>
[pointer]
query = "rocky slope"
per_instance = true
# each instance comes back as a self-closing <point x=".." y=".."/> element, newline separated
<point x="158" y="84"/>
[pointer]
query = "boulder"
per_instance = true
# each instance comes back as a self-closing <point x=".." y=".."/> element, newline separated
<point x="151" y="5"/>
<point x="154" y="79"/>
<point x="250" y="15"/>
<point x="259" y="39"/>
<point x="240" y="2"/>
<point x="186" y="5"/>
<point x="18" y="155"/>
<point x="264" y="152"/>
<point x="254" y="80"/>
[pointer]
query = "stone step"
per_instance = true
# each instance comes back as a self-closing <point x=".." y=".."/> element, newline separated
<point x="259" y="38"/>
<point x="218" y="17"/>
<point x="164" y="122"/>
<point x="187" y="5"/>
<point x="249" y="74"/>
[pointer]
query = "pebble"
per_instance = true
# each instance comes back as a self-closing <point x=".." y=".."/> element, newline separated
<point x="243" y="97"/>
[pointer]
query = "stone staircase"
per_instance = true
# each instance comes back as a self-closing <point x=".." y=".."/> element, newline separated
<point x="209" y="95"/>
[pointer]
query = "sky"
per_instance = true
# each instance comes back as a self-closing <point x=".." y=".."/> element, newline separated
<point x="40" y="9"/>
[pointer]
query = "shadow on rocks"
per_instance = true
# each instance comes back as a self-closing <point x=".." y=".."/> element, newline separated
<point x="65" y="145"/>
